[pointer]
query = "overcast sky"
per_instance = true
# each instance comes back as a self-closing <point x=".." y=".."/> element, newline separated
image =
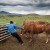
<point x="41" y="7"/>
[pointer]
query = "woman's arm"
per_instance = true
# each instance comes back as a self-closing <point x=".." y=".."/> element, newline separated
<point x="17" y="27"/>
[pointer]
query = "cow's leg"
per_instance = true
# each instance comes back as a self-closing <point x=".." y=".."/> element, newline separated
<point x="31" y="37"/>
<point x="46" y="38"/>
<point x="26" y="35"/>
<point x="22" y="31"/>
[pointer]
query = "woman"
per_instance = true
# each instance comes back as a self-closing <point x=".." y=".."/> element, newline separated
<point x="12" y="29"/>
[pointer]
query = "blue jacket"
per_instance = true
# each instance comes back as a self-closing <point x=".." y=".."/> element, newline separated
<point x="12" y="28"/>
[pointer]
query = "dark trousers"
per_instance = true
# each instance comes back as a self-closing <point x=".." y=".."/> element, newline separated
<point x="17" y="36"/>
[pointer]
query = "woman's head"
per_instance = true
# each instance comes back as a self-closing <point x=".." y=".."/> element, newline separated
<point x="11" y="22"/>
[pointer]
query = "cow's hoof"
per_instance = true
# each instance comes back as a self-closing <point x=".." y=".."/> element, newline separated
<point x="20" y="34"/>
<point x="46" y="42"/>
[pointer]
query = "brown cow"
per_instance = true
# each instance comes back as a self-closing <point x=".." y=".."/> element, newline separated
<point x="35" y="27"/>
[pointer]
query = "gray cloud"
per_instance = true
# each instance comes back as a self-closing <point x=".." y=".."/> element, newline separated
<point x="25" y="6"/>
<point x="19" y="8"/>
<point x="24" y="1"/>
<point x="14" y="1"/>
<point x="21" y="4"/>
<point x="44" y="5"/>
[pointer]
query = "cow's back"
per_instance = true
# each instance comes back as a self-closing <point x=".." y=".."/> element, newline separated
<point x="35" y="26"/>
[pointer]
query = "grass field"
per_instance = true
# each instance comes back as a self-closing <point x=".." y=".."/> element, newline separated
<point x="19" y="20"/>
<point x="12" y="44"/>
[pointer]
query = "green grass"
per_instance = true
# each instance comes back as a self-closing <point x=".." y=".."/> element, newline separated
<point x="19" y="20"/>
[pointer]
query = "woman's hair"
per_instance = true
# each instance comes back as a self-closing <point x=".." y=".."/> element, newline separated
<point x="11" y="22"/>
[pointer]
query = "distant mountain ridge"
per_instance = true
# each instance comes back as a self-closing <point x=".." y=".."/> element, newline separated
<point x="3" y="12"/>
<point x="19" y="15"/>
<point x="34" y="14"/>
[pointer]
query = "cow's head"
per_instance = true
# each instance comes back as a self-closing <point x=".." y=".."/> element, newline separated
<point x="22" y="31"/>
